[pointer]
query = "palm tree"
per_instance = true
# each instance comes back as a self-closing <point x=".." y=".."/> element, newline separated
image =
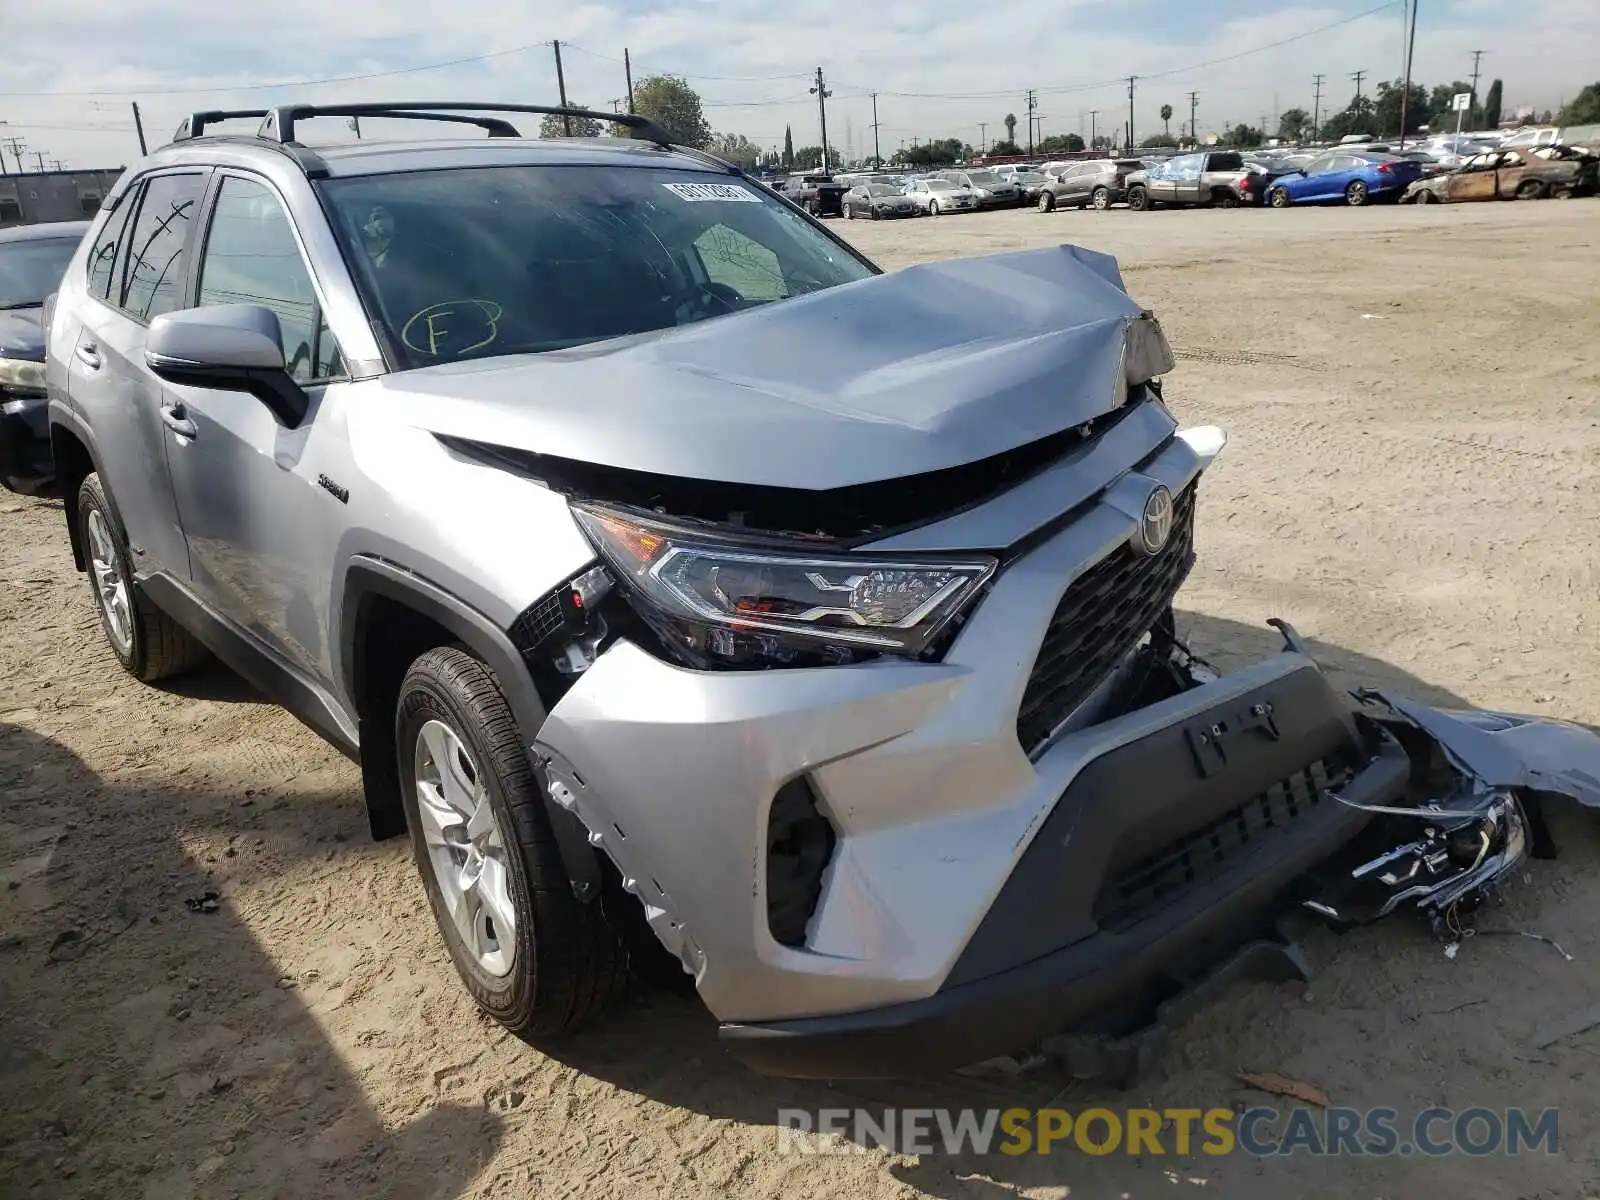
<point x="1166" y="117"/>
<point x="1011" y="128"/>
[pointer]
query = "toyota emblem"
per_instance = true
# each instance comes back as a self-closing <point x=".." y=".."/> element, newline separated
<point x="1155" y="527"/>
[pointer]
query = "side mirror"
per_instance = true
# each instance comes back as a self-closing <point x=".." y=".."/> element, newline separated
<point x="230" y="347"/>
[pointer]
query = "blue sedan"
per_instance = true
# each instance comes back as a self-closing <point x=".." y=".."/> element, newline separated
<point x="1346" y="178"/>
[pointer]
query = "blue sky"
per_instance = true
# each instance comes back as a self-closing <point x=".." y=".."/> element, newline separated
<point x="940" y="67"/>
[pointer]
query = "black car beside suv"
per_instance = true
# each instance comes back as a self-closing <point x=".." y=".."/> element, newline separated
<point x="32" y="258"/>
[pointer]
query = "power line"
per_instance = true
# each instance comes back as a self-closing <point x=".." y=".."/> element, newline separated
<point x="288" y="83"/>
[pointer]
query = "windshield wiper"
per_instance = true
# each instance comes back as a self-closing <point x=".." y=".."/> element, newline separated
<point x="22" y="304"/>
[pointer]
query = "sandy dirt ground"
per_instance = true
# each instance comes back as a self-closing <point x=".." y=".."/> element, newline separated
<point x="1413" y="479"/>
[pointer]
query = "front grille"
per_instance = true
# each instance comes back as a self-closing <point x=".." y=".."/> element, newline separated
<point x="537" y="625"/>
<point x="1163" y="878"/>
<point x="1101" y="617"/>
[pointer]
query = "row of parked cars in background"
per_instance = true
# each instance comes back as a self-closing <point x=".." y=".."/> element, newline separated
<point x="1529" y="164"/>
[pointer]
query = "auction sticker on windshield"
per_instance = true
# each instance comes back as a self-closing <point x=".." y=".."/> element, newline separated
<point x="713" y="191"/>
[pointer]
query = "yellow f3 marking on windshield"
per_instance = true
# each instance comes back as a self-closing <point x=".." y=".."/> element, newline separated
<point x="432" y="326"/>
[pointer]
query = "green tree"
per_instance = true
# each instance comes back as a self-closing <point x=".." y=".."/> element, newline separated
<point x="737" y="149"/>
<point x="1166" y="122"/>
<point x="1011" y="128"/>
<point x="1160" y="141"/>
<point x="1386" y="108"/>
<point x="1491" y="106"/>
<point x="1357" y="118"/>
<point x="1584" y="109"/>
<point x="1294" y="125"/>
<point x="1442" y="114"/>
<point x="808" y="158"/>
<point x="1005" y="147"/>
<point x="671" y="103"/>
<point x="553" y="126"/>
<point x="1058" y="143"/>
<point x="788" y="147"/>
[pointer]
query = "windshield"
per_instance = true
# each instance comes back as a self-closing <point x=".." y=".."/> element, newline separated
<point x="941" y="185"/>
<point x="30" y="270"/>
<point x="983" y="178"/>
<point x="1029" y="176"/>
<point x="883" y="189"/>
<point x="484" y="261"/>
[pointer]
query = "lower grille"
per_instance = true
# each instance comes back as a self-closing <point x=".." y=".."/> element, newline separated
<point x="1101" y="617"/>
<point x="537" y="625"/>
<point x="1163" y="878"/>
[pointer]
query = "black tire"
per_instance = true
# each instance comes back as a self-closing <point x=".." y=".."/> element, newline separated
<point x="1279" y="198"/>
<point x="849" y="212"/>
<point x="1356" y="194"/>
<point x="1100" y="198"/>
<point x="1138" y="199"/>
<point x="1047" y="202"/>
<point x="568" y="961"/>
<point x="157" y="647"/>
<point x="933" y="208"/>
<point x="1225" y="200"/>
<point x="1530" y="189"/>
<point x="1426" y="196"/>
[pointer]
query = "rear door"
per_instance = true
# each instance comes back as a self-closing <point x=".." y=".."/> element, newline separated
<point x="1509" y="173"/>
<point x="262" y="530"/>
<point x="138" y="269"/>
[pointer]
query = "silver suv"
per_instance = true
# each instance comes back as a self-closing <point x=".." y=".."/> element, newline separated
<point x="687" y="587"/>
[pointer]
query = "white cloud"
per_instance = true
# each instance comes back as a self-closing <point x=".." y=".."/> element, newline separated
<point x="748" y="58"/>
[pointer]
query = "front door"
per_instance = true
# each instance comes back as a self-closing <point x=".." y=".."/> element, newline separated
<point x="1475" y="180"/>
<point x="137" y="270"/>
<point x="1187" y="177"/>
<point x="262" y="530"/>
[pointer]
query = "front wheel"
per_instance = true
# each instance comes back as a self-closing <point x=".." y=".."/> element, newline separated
<point x="1530" y="189"/>
<point x="1101" y="198"/>
<point x="1280" y="198"/>
<point x="1047" y="202"/>
<point x="148" y="643"/>
<point x="533" y="957"/>
<point x="1426" y="196"/>
<point x="1138" y="199"/>
<point x="849" y="212"/>
<point x="1356" y="194"/>
<point x="933" y="209"/>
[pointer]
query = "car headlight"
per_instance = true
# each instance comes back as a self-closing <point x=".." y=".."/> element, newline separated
<point x="735" y="603"/>
<point x="23" y="374"/>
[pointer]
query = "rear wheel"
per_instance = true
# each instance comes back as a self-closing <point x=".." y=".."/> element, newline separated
<point x="1225" y="200"/>
<point x="148" y="643"/>
<point x="1530" y="189"/>
<point x="1047" y="202"/>
<point x="1101" y="198"/>
<point x="1356" y="194"/>
<point x="1138" y="199"/>
<point x="849" y="212"/>
<point x="534" y="957"/>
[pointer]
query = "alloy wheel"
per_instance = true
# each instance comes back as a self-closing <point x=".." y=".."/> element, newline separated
<point x="110" y="585"/>
<point x="466" y="851"/>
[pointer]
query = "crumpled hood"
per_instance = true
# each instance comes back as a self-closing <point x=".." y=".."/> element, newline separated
<point x="926" y="368"/>
<point x="21" y="335"/>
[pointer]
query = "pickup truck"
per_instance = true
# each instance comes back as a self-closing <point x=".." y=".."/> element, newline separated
<point x="1218" y="178"/>
<point x="819" y="195"/>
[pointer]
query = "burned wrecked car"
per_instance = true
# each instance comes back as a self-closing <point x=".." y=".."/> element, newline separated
<point x="1525" y="174"/>
<point x="689" y="590"/>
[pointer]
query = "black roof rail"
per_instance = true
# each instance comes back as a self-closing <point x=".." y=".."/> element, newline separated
<point x="278" y="123"/>
<point x="194" y="125"/>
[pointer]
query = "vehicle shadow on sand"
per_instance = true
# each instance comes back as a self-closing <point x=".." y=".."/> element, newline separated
<point x="206" y="1078"/>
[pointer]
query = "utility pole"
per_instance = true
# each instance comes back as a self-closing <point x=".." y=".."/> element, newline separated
<point x="1033" y="103"/>
<point x="877" y="158"/>
<point x="138" y="126"/>
<point x="1316" y="106"/>
<point x="627" y="71"/>
<point x="1358" y="76"/>
<point x="561" y="90"/>
<point x="1131" y="79"/>
<point x="55" y="164"/>
<point x="39" y="158"/>
<point x="983" y="135"/>
<point x="1194" y="132"/>
<point x="1405" y="92"/>
<point x="16" y="146"/>
<point x="821" y="92"/>
<point x="1093" y="138"/>
<point x="1477" y="57"/>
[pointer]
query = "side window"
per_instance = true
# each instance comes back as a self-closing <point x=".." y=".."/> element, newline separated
<point x="153" y="281"/>
<point x="736" y="261"/>
<point x="103" y="256"/>
<point x="251" y="257"/>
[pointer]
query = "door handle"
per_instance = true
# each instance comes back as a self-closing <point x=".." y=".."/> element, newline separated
<point x="89" y="355"/>
<point x="176" y="418"/>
